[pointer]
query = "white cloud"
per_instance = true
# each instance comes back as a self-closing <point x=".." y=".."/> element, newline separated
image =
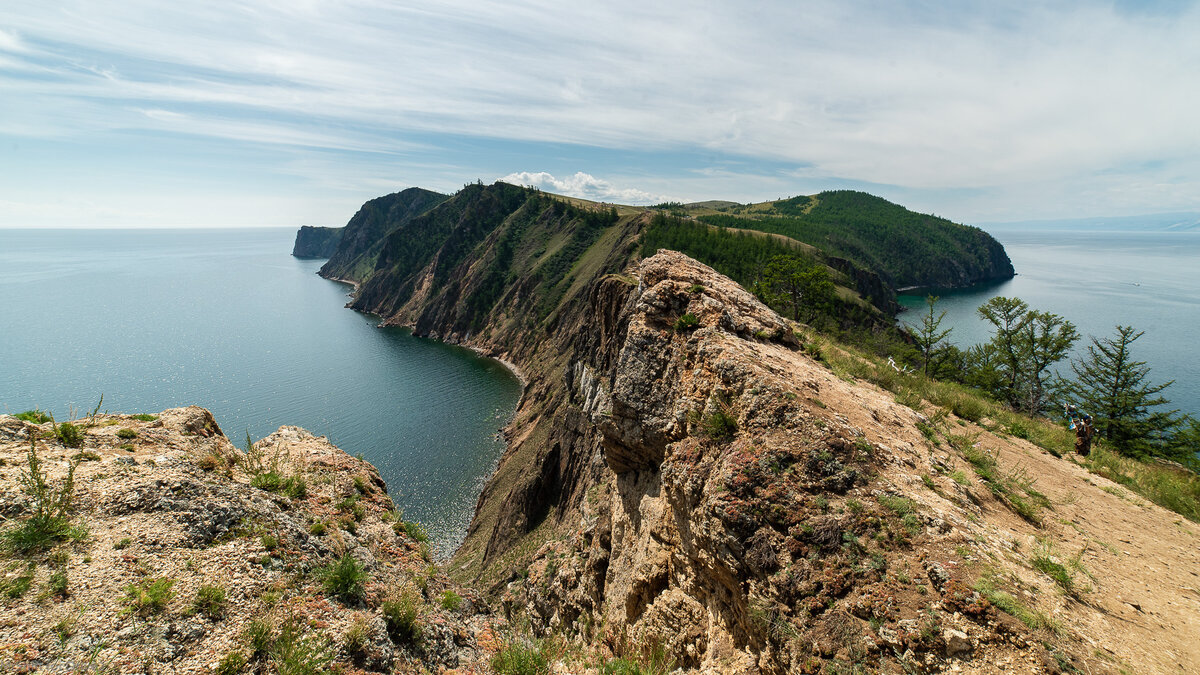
<point x="996" y="97"/>
<point x="584" y="186"/>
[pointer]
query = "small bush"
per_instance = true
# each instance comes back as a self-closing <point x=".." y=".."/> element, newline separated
<point x="210" y="601"/>
<point x="122" y="544"/>
<point x="402" y="618"/>
<point x="150" y="596"/>
<point x="519" y="658"/>
<point x="50" y="517"/>
<point x="68" y="434"/>
<point x="145" y="418"/>
<point x="345" y="580"/>
<point x="85" y="456"/>
<point x="126" y="447"/>
<point x="268" y="480"/>
<point x="451" y="601"/>
<point x="317" y="529"/>
<point x="35" y="416"/>
<point x="127" y="434"/>
<point x="270" y="542"/>
<point x="686" y="322"/>
<point x="720" y="425"/>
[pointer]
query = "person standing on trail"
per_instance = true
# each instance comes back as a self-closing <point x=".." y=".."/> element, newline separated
<point x="1083" y="434"/>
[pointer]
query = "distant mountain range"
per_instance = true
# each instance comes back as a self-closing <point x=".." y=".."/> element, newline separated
<point x="1155" y="222"/>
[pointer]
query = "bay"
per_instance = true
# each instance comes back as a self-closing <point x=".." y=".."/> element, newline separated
<point x="228" y="320"/>
<point x="1097" y="279"/>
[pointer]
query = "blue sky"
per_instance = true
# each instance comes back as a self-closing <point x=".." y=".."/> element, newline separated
<point x="290" y="112"/>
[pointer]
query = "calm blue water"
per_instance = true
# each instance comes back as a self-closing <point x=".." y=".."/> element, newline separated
<point x="228" y="320"/>
<point x="1148" y="280"/>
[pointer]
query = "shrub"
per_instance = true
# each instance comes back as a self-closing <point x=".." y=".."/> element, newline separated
<point x="127" y="434"/>
<point x="68" y="434"/>
<point x="150" y="596"/>
<point x="451" y="601"/>
<point x="122" y="544"/>
<point x="35" y="416"/>
<point x="719" y="425"/>
<point x="317" y="528"/>
<point x="85" y="456"/>
<point x="126" y="447"/>
<point x="686" y="322"/>
<point x="520" y="658"/>
<point x="50" y="520"/>
<point x="345" y="580"/>
<point x="270" y="542"/>
<point x="402" y="618"/>
<point x="145" y="418"/>
<point x="210" y="601"/>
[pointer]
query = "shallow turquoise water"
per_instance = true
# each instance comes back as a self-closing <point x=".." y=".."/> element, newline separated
<point x="1148" y="280"/>
<point x="228" y="320"/>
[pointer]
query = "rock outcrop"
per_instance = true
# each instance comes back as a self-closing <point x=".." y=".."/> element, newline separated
<point x="185" y="553"/>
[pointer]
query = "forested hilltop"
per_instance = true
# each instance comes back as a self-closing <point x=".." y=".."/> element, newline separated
<point x="907" y="249"/>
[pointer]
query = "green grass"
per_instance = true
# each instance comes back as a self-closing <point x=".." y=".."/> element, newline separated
<point x="1171" y="487"/>
<point x="345" y="580"/>
<point x="403" y="618"/>
<point x="145" y="418"/>
<point x="1006" y="602"/>
<point x="451" y="601"/>
<point x="35" y="416"/>
<point x="210" y="601"/>
<point x="150" y="596"/>
<point x="413" y="529"/>
<point x="521" y="658"/>
<point x="17" y="585"/>
<point x="127" y="433"/>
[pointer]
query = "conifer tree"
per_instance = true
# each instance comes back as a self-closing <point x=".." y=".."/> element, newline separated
<point x="929" y="338"/>
<point x="1114" y="388"/>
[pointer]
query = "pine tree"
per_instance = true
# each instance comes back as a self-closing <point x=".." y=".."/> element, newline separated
<point x="929" y="338"/>
<point x="1113" y="387"/>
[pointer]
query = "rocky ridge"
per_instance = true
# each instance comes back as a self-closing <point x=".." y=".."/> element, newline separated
<point x="721" y="495"/>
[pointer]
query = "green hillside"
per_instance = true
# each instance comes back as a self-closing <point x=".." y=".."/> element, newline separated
<point x="907" y="249"/>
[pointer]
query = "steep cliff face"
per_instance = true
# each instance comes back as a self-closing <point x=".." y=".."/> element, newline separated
<point x="354" y="257"/>
<point x="748" y="510"/>
<point x="316" y="242"/>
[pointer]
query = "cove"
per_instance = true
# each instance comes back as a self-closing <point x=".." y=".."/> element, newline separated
<point x="227" y="319"/>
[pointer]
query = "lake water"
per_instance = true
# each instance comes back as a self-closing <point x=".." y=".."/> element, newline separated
<point x="229" y="320"/>
<point x="1148" y="280"/>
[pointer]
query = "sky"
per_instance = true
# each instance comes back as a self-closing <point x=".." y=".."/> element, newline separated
<point x="144" y="113"/>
